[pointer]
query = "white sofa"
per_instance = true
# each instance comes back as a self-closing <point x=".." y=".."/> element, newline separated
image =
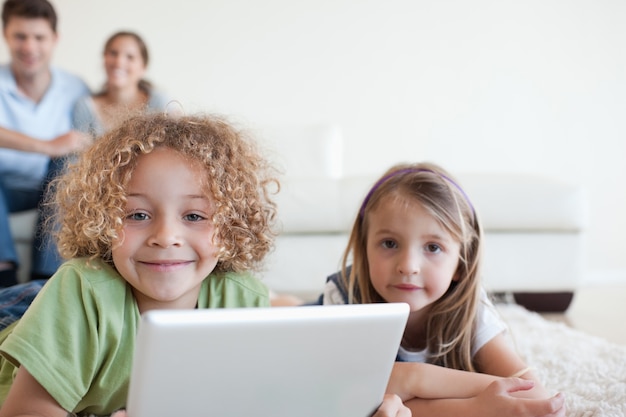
<point x="22" y="229"/>
<point x="534" y="226"/>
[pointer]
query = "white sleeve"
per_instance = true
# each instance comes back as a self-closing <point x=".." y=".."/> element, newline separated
<point x="489" y="324"/>
<point x="332" y="295"/>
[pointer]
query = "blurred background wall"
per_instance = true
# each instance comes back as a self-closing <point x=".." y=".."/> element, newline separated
<point x="500" y="86"/>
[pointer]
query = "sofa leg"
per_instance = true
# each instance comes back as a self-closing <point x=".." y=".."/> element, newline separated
<point x="544" y="302"/>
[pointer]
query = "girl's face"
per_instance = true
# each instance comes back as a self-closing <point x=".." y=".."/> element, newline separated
<point x="411" y="257"/>
<point x="123" y="62"/>
<point x="166" y="248"/>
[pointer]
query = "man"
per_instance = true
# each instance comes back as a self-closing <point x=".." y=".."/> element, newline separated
<point x="36" y="103"/>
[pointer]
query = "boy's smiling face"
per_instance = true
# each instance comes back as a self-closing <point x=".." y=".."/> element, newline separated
<point x="166" y="248"/>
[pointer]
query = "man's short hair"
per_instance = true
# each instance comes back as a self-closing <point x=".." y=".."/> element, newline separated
<point x="30" y="9"/>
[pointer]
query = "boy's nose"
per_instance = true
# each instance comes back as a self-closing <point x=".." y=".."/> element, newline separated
<point x="165" y="234"/>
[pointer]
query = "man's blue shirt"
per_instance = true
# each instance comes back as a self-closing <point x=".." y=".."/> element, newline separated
<point x="45" y="120"/>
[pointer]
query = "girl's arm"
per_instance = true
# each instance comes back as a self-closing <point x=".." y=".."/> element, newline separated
<point x="28" y="398"/>
<point x="498" y="357"/>
<point x="429" y="389"/>
<point x="495" y="401"/>
<point x="426" y="381"/>
<point x="495" y="360"/>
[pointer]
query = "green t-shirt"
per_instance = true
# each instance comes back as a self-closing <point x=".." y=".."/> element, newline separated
<point x="78" y="336"/>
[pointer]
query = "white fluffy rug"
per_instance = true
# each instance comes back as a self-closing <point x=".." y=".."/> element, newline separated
<point x="590" y="371"/>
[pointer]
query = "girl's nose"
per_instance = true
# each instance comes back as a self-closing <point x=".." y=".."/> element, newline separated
<point x="165" y="234"/>
<point x="409" y="263"/>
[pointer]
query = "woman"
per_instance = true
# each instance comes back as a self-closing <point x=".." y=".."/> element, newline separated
<point x="125" y="91"/>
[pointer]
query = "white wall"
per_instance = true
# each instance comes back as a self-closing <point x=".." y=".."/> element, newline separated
<point x="497" y="85"/>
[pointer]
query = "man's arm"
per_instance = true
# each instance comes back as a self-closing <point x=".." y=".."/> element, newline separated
<point x="69" y="142"/>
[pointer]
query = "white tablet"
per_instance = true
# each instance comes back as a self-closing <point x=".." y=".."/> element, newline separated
<point x="311" y="361"/>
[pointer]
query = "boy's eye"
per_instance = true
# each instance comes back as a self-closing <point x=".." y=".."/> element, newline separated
<point x="389" y="244"/>
<point x="137" y="216"/>
<point x="193" y="217"/>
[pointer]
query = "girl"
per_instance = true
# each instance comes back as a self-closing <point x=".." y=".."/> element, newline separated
<point x="417" y="240"/>
<point x="162" y="213"/>
<point x="125" y="90"/>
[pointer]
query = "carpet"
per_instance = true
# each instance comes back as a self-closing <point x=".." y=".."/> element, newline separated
<point x="589" y="370"/>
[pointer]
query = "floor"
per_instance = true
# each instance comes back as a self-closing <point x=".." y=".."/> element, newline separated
<point x="598" y="310"/>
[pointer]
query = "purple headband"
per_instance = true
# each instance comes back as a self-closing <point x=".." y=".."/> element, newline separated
<point x="406" y="171"/>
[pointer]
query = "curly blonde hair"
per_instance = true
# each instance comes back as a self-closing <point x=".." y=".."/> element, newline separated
<point x="451" y="322"/>
<point x="89" y="200"/>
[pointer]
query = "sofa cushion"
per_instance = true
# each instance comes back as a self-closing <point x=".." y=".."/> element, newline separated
<point x="23" y="229"/>
<point x="22" y="225"/>
<point x="523" y="202"/>
<point x="304" y="151"/>
<point x="505" y="203"/>
<point x="309" y="205"/>
<point x="320" y="205"/>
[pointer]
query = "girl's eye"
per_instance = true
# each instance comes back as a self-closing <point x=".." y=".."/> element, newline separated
<point x="193" y="217"/>
<point x="433" y="248"/>
<point x="389" y="244"/>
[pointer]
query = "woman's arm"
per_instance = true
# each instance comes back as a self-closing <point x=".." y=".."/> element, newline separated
<point x="28" y="398"/>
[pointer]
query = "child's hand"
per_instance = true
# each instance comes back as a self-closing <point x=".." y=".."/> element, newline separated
<point x="392" y="406"/>
<point x="536" y="391"/>
<point x="499" y="400"/>
<point x="119" y="413"/>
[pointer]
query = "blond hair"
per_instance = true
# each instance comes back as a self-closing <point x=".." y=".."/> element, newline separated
<point x="451" y="322"/>
<point x="89" y="199"/>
